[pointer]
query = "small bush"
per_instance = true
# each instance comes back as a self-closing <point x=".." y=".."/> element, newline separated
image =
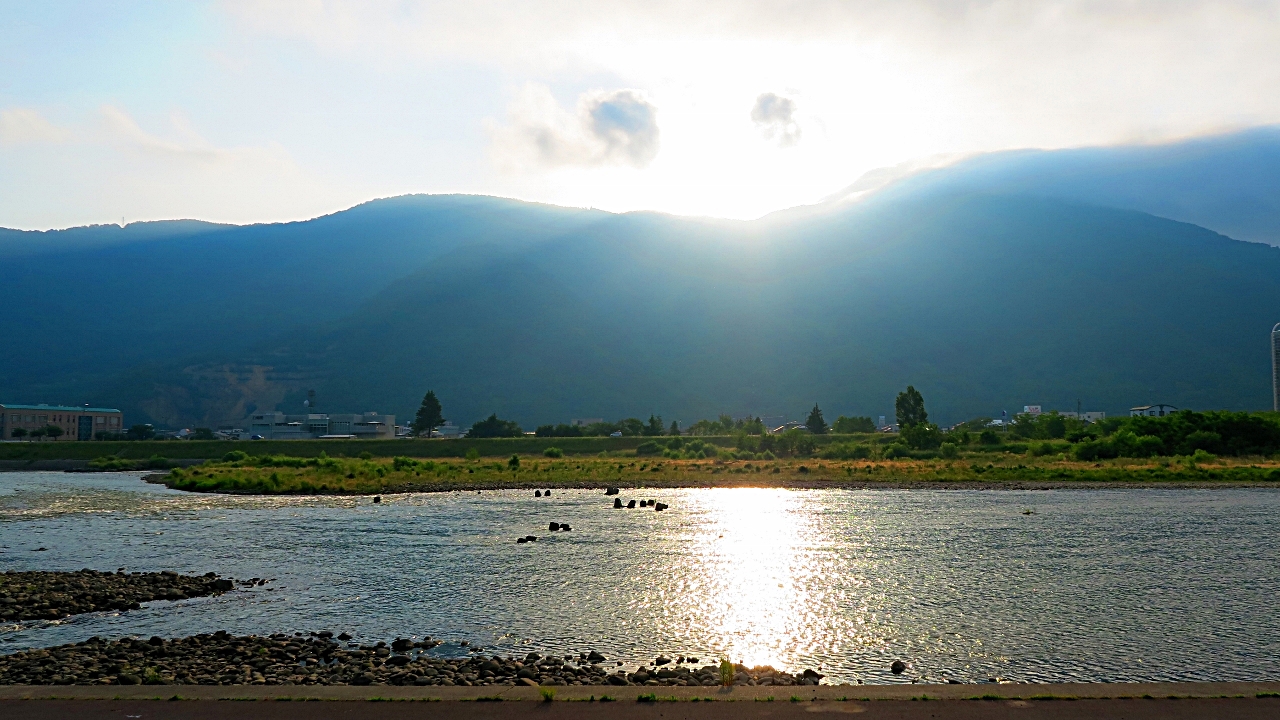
<point x="895" y="451"/>
<point x="235" y="456"/>
<point x="473" y="454"/>
<point x="988" y="437"/>
<point x="553" y="452"/>
<point x="949" y="450"/>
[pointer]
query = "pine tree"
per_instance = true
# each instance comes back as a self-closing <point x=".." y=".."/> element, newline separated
<point x="815" y="423"/>
<point x="675" y="428"/>
<point x="654" y="426"/>
<point x="428" y="417"/>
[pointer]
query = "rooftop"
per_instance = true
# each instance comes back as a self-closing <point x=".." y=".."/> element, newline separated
<point x="58" y="408"/>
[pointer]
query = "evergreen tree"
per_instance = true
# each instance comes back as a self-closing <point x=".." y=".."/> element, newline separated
<point x="815" y="423"/>
<point x="654" y="426"/>
<point x="910" y="408"/>
<point x="428" y="417"/>
<point x="675" y="428"/>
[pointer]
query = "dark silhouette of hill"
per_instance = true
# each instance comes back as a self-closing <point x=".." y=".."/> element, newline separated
<point x="983" y="299"/>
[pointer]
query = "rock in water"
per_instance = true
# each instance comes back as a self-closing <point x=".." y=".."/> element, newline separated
<point x="661" y="660"/>
<point x="377" y="498"/>
<point x="898" y="667"/>
<point x="617" y="503"/>
<point x="631" y="504"/>
<point x="546" y="493"/>
<point x="537" y="493"/>
<point x="564" y="527"/>
<point x="531" y="538"/>
<point x="521" y="541"/>
<point x="595" y="657"/>
<point x="611" y="491"/>
<point x="553" y="526"/>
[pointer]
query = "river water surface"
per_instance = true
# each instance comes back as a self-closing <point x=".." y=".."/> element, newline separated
<point x="1067" y="585"/>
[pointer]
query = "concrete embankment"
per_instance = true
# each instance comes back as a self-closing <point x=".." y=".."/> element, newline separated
<point x="1138" y="701"/>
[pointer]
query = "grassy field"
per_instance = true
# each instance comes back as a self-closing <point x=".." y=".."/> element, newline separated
<point x="420" y="448"/>
<point x="294" y="475"/>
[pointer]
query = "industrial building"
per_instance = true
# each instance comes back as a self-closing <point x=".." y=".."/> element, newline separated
<point x="76" y="423"/>
<point x="316" y="426"/>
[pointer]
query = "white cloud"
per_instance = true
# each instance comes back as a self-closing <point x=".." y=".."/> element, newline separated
<point x="776" y="117"/>
<point x="618" y="127"/>
<point x="114" y="167"/>
<point x="26" y="126"/>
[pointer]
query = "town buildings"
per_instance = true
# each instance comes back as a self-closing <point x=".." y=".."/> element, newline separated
<point x="276" y="425"/>
<point x="76" y="423"/>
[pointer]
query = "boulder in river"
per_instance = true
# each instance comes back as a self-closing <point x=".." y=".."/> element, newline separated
<point x="553" y="526"/>
<point x="537" y="493"/>
<point x="631" y="504"/>
<point x="611" y="491"/>
<point x="898" y="667"/>
<point x="617" y="503"/>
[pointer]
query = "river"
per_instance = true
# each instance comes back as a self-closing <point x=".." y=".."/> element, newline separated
<point x="1048" y="586"/>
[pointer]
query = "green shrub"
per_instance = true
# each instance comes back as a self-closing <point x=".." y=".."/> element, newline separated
<point x="235" y="456"/>
<point x="553" y="452"/>
<point x="649" y="448"/>
<point x="922" y="436"/>
<point x="845" y="451"/>
<point x="896" y="450"/>
<point x="473" y="454"/>
<point x="988" y="437"/>
<point x="949" y="450"/>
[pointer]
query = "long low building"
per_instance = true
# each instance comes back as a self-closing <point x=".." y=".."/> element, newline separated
<point x="317" y="426"/>
<point x="76" y="423"/>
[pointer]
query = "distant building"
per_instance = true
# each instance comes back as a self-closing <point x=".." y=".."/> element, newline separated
<point x="1087" y="416"/>
<point x="1275" y="368"/>
<point x="77" y="423"/>
<point x="448" y="430"/>
<point x="314" y="426"/>
<point x="1152" y="410"/>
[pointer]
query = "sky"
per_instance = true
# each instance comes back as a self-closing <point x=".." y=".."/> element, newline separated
<point x="259" y="112"/>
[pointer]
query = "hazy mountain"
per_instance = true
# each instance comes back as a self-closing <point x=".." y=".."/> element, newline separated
<point x="1227" y="183"/>
<point x="984" y="300"/>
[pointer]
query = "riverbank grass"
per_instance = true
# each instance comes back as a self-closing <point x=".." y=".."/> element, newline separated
<point x="239" y="473"/>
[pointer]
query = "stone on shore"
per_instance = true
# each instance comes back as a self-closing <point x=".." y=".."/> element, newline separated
<point x="40" y="595"/>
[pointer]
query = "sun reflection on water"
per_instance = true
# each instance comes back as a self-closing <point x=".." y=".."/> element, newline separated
<point x="763" y="554"/>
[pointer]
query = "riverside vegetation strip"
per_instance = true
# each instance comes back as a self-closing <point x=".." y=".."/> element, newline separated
<point x="36" y="595"/>
<point x="245" y="474"/>
<point x="223" y="659"/>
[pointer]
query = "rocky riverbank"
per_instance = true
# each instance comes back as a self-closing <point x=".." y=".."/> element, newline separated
<point x="37" y="595"/>
<point x="320" y="659"/>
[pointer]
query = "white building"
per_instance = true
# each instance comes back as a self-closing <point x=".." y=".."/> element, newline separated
<point x="1087" y="416"/>
<point x="278" y="426"/>
<point x="1152" y="410"/>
